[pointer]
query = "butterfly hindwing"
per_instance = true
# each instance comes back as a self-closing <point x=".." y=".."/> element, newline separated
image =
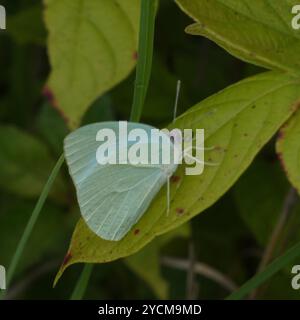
<point x="112" y="209"/>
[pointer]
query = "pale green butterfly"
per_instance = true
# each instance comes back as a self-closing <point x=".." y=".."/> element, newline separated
<point x="113" y="197"/>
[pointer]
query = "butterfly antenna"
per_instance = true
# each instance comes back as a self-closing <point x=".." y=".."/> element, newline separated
<point x="212" y="164"/>
<point x="176" y="99"/>
<point x="204" y="148"/>
<point x="200" y="148"/>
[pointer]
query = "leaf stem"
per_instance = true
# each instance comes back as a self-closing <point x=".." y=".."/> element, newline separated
<point x="32" y="221"/>
<point x="191" y="285"/>
<point x="202" y="269"/>
<point x="145" y="53"/>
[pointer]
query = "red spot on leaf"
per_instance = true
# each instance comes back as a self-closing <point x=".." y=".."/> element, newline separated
<point x="179" y="210"/>
<point x="136" y="231"/>
<point x="175" y="179"/>
<point x="135" y="56"/>
<point x="220" y="149"/>
<point x="67" y="258"/>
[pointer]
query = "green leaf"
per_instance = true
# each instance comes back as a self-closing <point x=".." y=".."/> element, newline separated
<point x="258" y="32"/>
<point x="25" y="164"/>
<point x="288" y="149"/>
<point x="238" y="121"/>
<point x="92" y="46"/>
<point x="146" y="263"/>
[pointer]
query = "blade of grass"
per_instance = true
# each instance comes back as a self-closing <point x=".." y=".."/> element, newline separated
<point x="268" y="272"/>
<point x="145" y="53"/>
<point x="143" y="72"/>
<point x="32" y="221"/>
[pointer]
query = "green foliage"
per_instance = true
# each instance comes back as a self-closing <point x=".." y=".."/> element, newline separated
<point x="238" y="122"/>
<point x="27" y="26"/>
<point x="51" y="127"/>
<point x="259" y="196"/>
<point x="259" y="32"/>
<point x="25" y="161"/>
<point x="92" y="46"/>
<point x="146" y="263"/>
<point x="288" y="148"/>
<point x="159" y="104"/>
<point x="14" y="215"/>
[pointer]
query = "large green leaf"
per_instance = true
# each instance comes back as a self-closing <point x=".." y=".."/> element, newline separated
<point x="238" y="121"/>
<point x="288" y="148"/>
<point x="256" y="31"/>
<point x="92" y="46"/>
<point x="25" y="164"/>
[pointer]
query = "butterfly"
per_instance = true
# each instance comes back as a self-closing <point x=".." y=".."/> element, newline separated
<point x="113" y="197"/>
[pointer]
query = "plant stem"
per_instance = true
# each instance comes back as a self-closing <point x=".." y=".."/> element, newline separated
<point x="191" y="286"/>
<point x="82" y="283"/>
<point x="143" y="72"/>
<point x="32" y="221"/>
<point x="289" y="202"/>
<point x="202" y="269"/>
<point x="145" y="53"/>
